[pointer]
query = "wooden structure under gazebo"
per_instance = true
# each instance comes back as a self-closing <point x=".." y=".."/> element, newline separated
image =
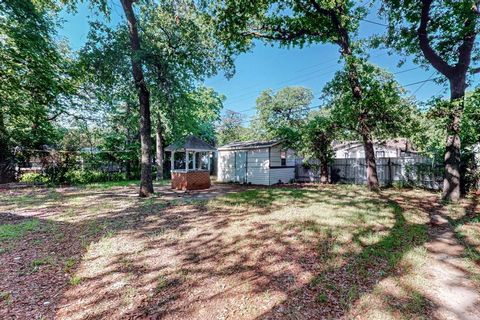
<point x="190" y="163"/>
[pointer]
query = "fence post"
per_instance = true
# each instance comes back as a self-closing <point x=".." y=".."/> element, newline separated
<point x="390" y="178"/>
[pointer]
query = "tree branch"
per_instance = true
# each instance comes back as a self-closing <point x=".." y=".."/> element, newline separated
<point x="476" y="8"/>
<point x="278" y="34"/>
<point x="465" y="49"/>
<point x="422" y="33"/>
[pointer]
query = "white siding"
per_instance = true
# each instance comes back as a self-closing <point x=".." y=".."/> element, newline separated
<point x="258" y="166"/>
<point x="226" y="166"/>
<point x="283" y="175"/>
<point x="358" y="152"/>
<point x="275" y="160"/>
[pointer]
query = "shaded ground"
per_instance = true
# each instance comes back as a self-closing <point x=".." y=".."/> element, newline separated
<point x="239" y="253"/>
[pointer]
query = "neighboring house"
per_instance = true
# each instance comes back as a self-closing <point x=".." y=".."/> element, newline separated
<point x="393" y="148"/>
<point x="256" y="162"/>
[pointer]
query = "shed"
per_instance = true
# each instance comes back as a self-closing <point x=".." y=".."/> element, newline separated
<point x="256" y="162"/>
<point x="190" y="163"/>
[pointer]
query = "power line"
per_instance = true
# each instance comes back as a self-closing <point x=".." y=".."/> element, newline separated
<point x="418" y="82"/>
<point x="302" y="78"/>
<point x="398" y="72"/>
<point x="422" y="84"/>
<point x="373" y="22"/>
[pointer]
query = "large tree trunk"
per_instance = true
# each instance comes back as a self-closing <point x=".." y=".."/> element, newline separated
<point x="159" y="149"/>
<point x="457" y="75"/>
<point x="451" y="181"/>
<point x="372" y="178"/>
<point x="146" y="183"/>
<point x="324" y="171"/>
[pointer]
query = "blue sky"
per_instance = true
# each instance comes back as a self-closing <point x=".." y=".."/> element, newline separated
<point x="273" y="67"/>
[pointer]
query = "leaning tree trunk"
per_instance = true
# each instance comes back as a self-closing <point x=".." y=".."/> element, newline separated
<point x="146" y="183"/>
<point x="159" y="150"/>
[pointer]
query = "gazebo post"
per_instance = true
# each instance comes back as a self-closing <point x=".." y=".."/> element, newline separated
<point x="194" y="161"/>
<point x="186" y="160"/>
<point x="172" y="160"/>
<point x="208" y="162"/>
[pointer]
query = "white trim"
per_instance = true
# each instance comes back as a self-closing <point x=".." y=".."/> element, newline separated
<point x="248" y="148"/>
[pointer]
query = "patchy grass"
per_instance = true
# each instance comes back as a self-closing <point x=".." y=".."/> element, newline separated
<point x="299" y="253"/>
<point x="36" y="264"/>
<point x="6" y="297"/>
<point x="17" y="230"/>
<point x="75" y="280"/>
<point x="126" y="183"/>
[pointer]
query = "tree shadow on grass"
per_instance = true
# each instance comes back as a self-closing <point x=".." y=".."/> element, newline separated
<point x="245" y="258"/>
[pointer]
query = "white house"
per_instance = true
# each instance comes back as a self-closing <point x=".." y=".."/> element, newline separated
<point x="256" y="162"/>
<point x="393" y="148"/>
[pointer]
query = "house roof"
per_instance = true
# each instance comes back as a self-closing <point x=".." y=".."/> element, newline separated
<point x="190" y="143"/>
<point x="250" y="145"/>
<point x="398" y="143"/>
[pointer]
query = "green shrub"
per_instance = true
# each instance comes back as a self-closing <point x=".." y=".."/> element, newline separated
<point x="32" y="177"/>
<point x="74" y="177"/>
<point x="87" y="176"/>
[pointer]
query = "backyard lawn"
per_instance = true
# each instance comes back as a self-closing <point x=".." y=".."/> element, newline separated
<point x="277" y="253"/>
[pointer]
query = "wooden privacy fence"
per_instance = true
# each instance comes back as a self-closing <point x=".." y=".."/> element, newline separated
<point x="413" y="171"/>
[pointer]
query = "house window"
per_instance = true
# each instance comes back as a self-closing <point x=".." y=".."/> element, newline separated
<point x="283" y="158"/>
<point x="380" y="154"/>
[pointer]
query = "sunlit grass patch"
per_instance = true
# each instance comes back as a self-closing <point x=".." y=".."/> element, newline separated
<point x="36" y="198"/>
<point x="346" y="250"/>
<point x="125" y="183"/>
<point x="17" y="230"/>
<point x="74" y="280"/>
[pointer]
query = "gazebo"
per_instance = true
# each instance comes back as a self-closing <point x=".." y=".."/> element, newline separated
<point x="190" y="163"/>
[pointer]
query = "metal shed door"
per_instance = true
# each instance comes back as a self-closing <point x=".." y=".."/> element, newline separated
<point x="241" y="166"/>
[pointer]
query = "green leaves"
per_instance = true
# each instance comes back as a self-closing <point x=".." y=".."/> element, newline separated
<point x="36" y="80"/>
<point x="382" y="107"/>
<point x="450" y="23"/>
<point x="231" y="128"/>
<point x="283" y="113"/>
<point x="291" y="23"/>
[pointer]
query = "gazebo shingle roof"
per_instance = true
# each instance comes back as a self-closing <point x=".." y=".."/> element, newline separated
<point x="190" y="143"/>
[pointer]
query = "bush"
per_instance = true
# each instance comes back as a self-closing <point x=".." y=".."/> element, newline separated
<point x="32" y="177"/>
<point x="73" y="177"/>
<point x="86" y="176"/>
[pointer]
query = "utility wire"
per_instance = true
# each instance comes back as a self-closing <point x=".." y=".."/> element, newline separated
<point x="422" y="83"/>
<point x="301" y="78"/>
<point x="374" y="22"/>
<point x="398" y="72"/>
